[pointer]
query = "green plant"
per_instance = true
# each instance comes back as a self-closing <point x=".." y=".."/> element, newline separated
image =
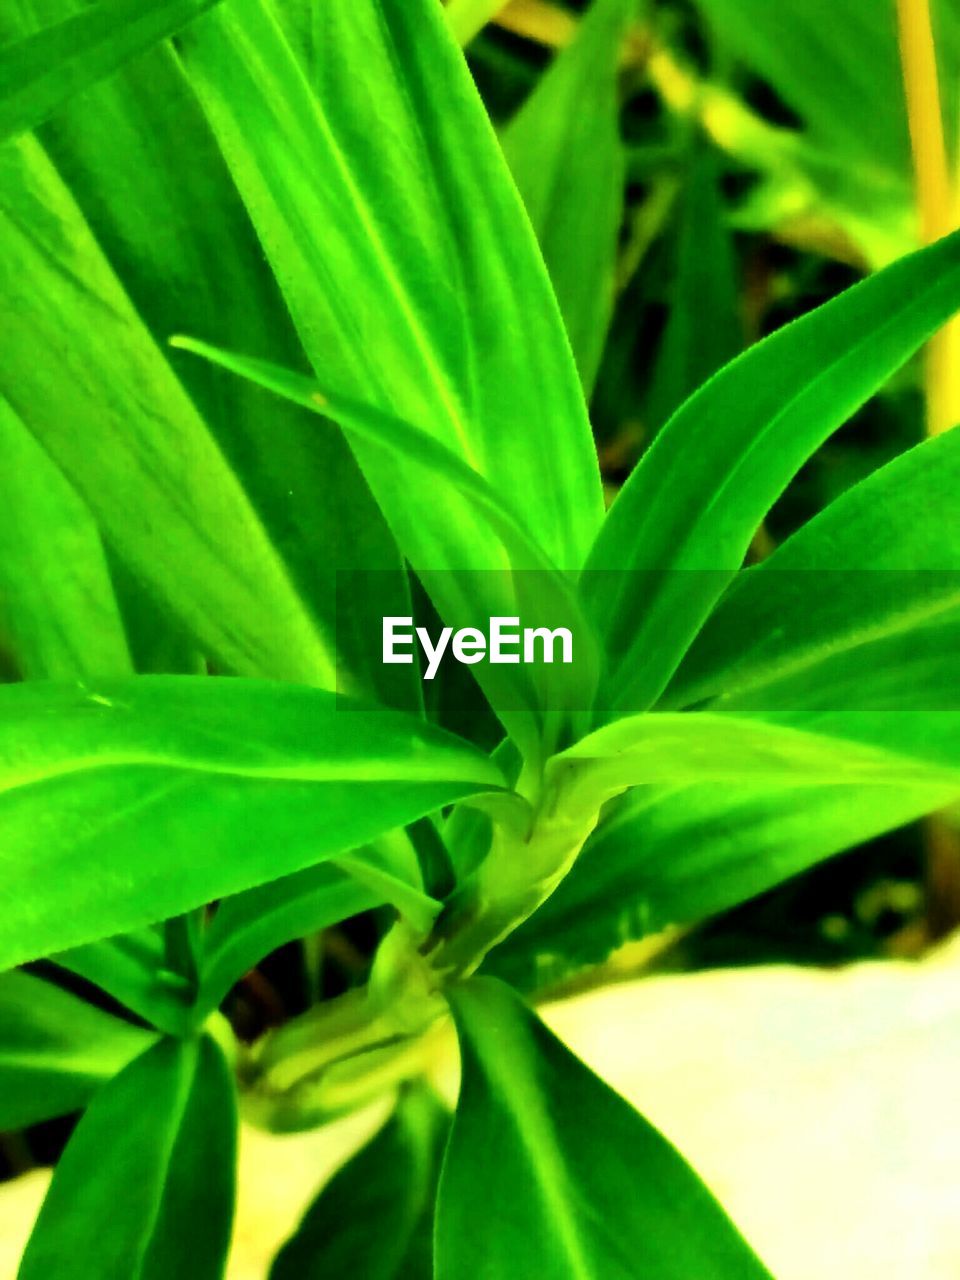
<point x="202" y="755"/>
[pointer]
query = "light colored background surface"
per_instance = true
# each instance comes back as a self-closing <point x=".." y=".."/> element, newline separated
<point x="822" y="1108"/>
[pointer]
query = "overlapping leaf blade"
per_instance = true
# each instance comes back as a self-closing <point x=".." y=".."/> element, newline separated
<point x="77" y="364"/>
<point x="390" y="1182"/>
<point x="133" y="969"/>
<point x="138" y="157"/>
<point x="386" y="314"/>
<point x="57" y="602"/>
<point x="420" y="223"/>
<point x="55" y="1050"/>
<point x="168" y="1126"/>
<point x="674" y="856"/>
<point x="806" y="747"/>
<point x="170" y="792"/>
<point x="881" y="560"/>
<point x="685" y="518"/>
<point x="45" y="69"/>
<point x="567" y="159"/>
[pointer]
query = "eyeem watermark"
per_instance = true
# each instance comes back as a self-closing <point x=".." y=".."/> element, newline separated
<point x="503" y="642"/>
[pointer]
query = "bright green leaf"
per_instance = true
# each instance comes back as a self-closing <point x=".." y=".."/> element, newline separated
<point x="550" y="1173"/>
<point x="383" y="253"/>
<point x="674" y="856"/>
<point x="170" y="792"/>
<point x="138" y="157"/>
<point x="881" y="560"/>
<point x="683" y="522"/>
<point x="77" y="364"/>
<point x="132" y="968"/>
<point x="805" y="748"/>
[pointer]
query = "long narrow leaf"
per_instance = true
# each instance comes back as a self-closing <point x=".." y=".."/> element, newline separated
<point x="805" y="748"/>
<point x="678" y="855"/>
<point x="698" y="495"/>
<point x="44" y="70"/>
<point x="138" y="158"/>
<point x="568" y="161"/>
<point x="140" y="800"/>
<point x="57" y="602"/>
<point x="815" y="600"/>
<point x="384" y="251"/>
<point x="77" y="365"/>
<point x="55" y="1050"/>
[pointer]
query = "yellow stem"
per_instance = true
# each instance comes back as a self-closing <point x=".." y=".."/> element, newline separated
<point x="935" y="201"/>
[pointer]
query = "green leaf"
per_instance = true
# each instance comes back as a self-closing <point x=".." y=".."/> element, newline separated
<point x="55" y="1050"/>
<point x="567" y="159"/>
<point x="541" y="588"/>
<point x="674" y="856"/>
<point x="802" y="748"/>
<point x="170" y="792"/>
<point x="138" y="157"/>
<point x="168" y="1125"/>
<point x="366" y="1221"/>
<point x="40" y="73"/>
<point x="57" y="602"/>
<point x="133" y="969"/>
<point x="704" y="329"/>
<point x="248" y="926"/>
<point x="384" y="305"/>
<point x="879" y="562"/>
<point x="404" y="442"/>
<point x="575" y="1181"/>
<point x="698" y="495"/>
<point x="77" y="364"/>
<point x="383" y="253"/>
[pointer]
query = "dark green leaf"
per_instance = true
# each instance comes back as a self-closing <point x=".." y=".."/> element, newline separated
<point x="57" y="602"/>
<point x="550" y="1173"/>
<point x="55" y="1050"/>
<point x="364" y="1222"/>
<point x="155" y="1151"/>
<point x="567" y="159"/>
<point x="46" y="69"/>
<point x="250" y="925"/>
<point x="704" y="329"/>
<point x="132" y="968"/>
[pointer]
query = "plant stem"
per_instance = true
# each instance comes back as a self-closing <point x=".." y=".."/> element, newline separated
<point x="935" y="205"/>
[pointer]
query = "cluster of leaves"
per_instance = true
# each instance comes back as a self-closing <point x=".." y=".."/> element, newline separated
<point x="314" y="194"/>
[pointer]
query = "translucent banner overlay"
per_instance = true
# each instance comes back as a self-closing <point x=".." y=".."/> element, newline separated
<point x="766" y="641"/>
